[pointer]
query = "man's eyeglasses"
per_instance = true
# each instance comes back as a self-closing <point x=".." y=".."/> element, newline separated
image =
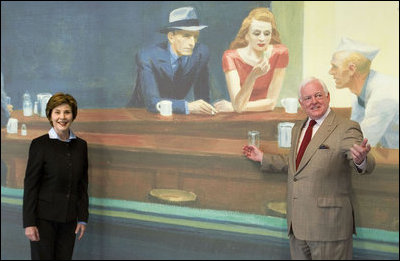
<point x="318" y="96"/>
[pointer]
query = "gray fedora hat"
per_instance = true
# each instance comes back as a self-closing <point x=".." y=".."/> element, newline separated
<point x="183" y="18"/>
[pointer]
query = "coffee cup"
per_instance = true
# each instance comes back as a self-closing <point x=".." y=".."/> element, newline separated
<point x="285" y="134"/>
<point x="12" y="125"/>
<point x="290" y="105"/>
<point x="164" y="107"/>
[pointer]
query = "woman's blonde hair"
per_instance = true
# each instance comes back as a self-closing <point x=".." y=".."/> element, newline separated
<point x="259" y="14"/>
<point x="362" y="63"/>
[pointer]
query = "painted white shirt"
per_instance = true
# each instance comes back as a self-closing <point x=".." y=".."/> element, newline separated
<point x="379" y="120"/>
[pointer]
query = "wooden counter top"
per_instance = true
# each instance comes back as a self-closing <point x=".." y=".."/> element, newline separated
<point x="138" y="129"/>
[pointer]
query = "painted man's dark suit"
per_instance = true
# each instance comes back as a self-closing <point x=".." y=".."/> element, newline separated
<point x="156" y="80"/>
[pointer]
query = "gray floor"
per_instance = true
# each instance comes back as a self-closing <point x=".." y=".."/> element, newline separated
<point x="116" y="238"/>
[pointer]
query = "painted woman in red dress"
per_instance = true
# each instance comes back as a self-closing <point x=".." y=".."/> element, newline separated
<point x="254" y="65"/>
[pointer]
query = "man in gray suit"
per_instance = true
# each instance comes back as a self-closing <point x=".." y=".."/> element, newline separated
<point x="320" y="215"/>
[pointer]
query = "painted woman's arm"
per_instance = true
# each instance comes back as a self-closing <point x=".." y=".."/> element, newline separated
<point x="269" y="103"/>
<point x="240" y="95"/>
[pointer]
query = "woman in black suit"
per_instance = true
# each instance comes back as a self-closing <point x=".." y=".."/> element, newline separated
<point x="55" y="204"/>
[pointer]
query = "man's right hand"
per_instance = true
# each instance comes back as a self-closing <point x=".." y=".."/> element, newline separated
<point x="223" y="106"/>
<point x="201" y="107"/>
<point x="253" y="153"/>
<point x="32" y="233"/>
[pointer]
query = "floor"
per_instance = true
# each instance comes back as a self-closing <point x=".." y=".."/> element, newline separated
<point x="126" y="239"/>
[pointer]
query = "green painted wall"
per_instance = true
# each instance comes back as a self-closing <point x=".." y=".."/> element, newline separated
<point x="289" y="19"/>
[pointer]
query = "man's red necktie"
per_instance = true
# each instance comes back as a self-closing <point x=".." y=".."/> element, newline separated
<point x="304" y="143"/>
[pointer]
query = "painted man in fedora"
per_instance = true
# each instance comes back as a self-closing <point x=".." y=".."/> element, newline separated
<point x="171" y="69"/>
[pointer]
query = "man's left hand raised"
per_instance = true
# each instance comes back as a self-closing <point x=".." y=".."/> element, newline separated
<point x="359" y="152"/>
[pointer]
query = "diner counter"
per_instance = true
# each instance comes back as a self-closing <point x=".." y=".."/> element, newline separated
<point x="132" y="151"/>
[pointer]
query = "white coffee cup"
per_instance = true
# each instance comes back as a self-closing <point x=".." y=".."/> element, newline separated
<point x="290" y="105"/>
<point x="12" y="125"/>
<point x="285" y="134"/>
<point x="164" y="107"/>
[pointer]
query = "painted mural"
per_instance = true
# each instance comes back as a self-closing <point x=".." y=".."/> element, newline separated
<point x="166" y="113"/>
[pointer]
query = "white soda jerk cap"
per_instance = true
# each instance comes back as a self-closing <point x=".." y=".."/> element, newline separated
<point x="348" y="44"/>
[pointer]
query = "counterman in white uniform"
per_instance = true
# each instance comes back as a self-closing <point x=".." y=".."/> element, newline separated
<point x="376" y="96"/>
